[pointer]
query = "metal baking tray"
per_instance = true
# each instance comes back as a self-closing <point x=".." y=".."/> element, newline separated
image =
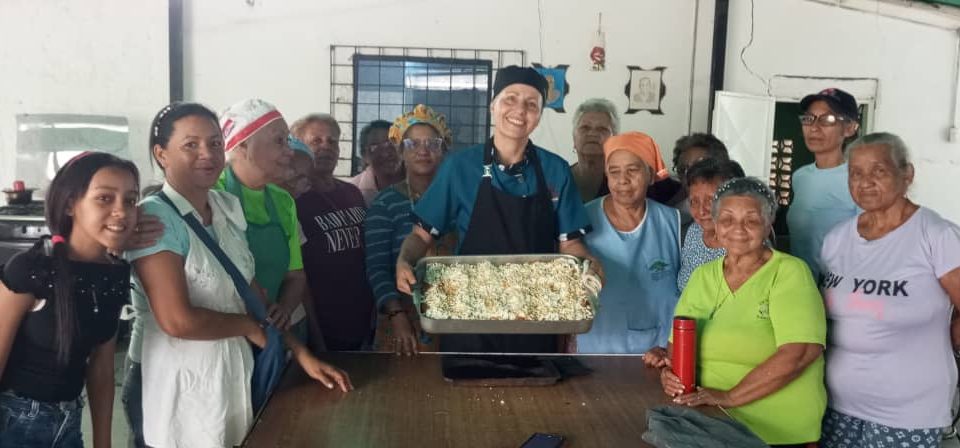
<point x="471" y="326"/>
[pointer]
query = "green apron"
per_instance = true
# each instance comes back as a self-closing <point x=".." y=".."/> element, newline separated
<point x="268" y="242"/>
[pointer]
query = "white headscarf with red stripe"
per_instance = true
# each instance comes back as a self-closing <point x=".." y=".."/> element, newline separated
<point x="244" y="119"/>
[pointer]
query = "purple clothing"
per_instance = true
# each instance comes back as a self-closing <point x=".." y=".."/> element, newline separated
<point x="334" y="264"/>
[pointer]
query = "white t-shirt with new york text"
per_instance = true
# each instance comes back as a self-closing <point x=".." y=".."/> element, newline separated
<point x="889" y="358"/>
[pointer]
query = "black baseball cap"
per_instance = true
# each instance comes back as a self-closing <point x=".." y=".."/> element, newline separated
<point x="839" y="101"/>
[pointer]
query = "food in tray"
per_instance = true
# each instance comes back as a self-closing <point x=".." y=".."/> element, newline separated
<point x="540" y="291"/>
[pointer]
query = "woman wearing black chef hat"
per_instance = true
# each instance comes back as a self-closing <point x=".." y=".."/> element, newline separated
<point x="507" y="196"/>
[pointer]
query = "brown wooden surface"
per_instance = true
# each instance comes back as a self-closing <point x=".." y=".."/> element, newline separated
<point x="405" y="402"/>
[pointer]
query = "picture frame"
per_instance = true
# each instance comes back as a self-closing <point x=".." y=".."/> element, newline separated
<point x="645" y="90"/>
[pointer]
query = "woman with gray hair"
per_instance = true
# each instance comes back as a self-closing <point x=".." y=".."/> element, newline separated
<point x="891" y="277"/>
<point x="331" y="214"/>
<point x="760" y="322"/>
<point x="700" y="244"/>
<point x="594" y="121"/>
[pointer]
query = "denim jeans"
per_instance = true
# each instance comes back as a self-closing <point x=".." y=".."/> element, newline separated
<point x="25" y="422"/>
<point x="132" y="397"/>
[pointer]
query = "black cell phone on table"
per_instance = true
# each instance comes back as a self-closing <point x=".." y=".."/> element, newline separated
<point x="543" y="440"/>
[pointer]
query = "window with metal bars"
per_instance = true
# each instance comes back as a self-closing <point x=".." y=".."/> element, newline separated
<point x="380" y="83"/>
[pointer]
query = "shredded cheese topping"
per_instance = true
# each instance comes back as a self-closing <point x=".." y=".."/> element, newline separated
<point x="544" y="291"/>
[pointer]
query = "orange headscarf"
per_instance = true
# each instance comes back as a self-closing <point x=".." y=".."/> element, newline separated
<point x="641" y="145"/>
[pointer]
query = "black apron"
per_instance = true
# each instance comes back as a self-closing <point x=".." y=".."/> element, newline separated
<point x="504" y="224"/>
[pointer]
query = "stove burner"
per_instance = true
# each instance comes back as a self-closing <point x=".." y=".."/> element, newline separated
<point x="34" y="208"/>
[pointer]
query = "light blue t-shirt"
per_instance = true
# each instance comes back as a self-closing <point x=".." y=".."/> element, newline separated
<point x="821" y="200"/>
<point x="640" y="293"/>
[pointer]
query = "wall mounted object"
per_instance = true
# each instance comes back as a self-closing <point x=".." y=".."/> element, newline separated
<point x="557" y="86"/>
<point x="645" y="90"/>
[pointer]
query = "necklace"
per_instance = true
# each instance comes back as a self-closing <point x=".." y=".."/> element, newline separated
<point x="413" y="198"/>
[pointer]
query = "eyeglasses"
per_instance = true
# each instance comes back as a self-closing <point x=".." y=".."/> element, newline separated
<point x="433" y="144"/>
<point x="384" y="145"/>
<point x="825" y="120"/>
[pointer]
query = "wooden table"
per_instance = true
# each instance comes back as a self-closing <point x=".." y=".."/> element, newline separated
<point x="405" y="402"/>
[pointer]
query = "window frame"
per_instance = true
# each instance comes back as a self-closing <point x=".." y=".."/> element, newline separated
<point x="345" y="61"/>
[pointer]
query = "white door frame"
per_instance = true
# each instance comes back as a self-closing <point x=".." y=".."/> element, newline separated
<point x="754" y="152"/>
<point x="791" y="89"/>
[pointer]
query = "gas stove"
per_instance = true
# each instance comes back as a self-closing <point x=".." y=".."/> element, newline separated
<point x="20" y="227"/>
<point x="32" y="210"/>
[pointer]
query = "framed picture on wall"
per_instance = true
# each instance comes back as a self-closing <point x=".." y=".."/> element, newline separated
<point x="645" y="90"/>
<point x="557" y="86"/>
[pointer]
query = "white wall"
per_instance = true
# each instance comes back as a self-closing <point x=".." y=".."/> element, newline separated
<point x="105" y="57"/>
<point x="914" y="64"/>
<point x="280" y="50"/>
<point x="110" y="57"/>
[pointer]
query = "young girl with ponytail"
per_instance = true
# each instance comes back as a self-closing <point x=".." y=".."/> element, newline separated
<point x="59" y="305"/>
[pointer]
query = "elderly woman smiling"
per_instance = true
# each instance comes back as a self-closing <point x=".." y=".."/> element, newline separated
<point x="760" y="322"/>
<point x="891" y="277"/>
<point x="638" y="242"/>
<point x="700" y="245"/>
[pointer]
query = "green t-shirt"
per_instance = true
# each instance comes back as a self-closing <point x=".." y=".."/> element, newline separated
<point x="255" y="210"/>
<point x="737" y="331"/>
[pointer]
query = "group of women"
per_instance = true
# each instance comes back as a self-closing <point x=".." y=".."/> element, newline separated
<point x="223" y="227"/>
<point x="824" y="347"/>
<point x="251" y="244"/>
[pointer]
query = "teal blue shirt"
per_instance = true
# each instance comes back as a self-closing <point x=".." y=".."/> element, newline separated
<point x="452" y="193"/>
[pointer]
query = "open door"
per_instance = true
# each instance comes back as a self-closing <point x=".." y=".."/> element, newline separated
<point x="745" y="124"/>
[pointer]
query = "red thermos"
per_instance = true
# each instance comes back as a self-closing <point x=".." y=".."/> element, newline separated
<point x="684" y="357"/>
